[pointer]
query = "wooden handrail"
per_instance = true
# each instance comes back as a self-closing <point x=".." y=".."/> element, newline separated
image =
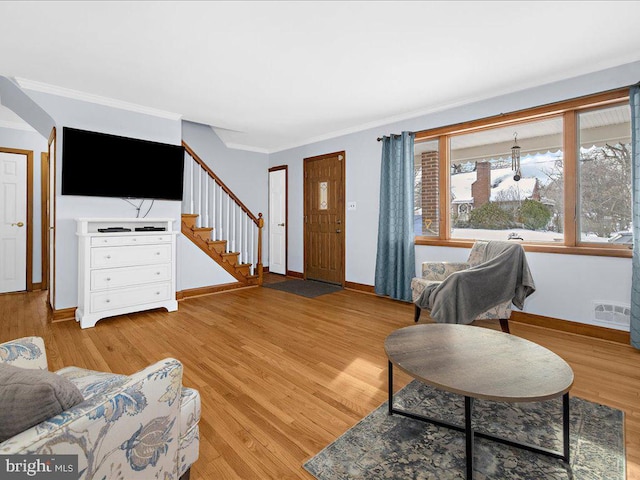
<point x="220" y="182"/>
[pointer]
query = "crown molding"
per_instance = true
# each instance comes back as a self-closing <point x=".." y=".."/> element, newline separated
<point x="91" y="98"/>
<point x="246" y="148"/>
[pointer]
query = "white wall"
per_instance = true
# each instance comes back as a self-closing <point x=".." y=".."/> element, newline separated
<point x="566" y="284"/>
<point x="89" y="116"/>
<point x="245" y="173"/>
<point x="20" y="103"/>
<point x="196" y="269"/>
<point x="362" y="170"/>
<point x="30" y="140"/>
<point x="14" y="98"/>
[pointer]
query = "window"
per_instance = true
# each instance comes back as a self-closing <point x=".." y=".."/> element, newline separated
<point x="499" y="202"/>
<point x="604" y="172"/>
<point x="570" y="192"/>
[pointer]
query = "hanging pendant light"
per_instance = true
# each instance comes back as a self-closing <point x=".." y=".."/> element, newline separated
<point x="515" y="158"/>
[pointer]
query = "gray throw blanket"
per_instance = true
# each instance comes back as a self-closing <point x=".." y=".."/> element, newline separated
<point x="503" y="275"/>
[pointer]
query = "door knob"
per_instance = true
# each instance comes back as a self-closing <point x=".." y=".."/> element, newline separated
<point x="338" y="231"/>
<point x="281" y="224"/>
<point x="19" y="224"/>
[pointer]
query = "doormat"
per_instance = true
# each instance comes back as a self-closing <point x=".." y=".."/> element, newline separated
<point x="395" y="447"/>
<point x="305" y="288"/>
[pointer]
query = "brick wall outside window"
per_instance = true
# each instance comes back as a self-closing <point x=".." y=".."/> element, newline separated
<point x="481" y="188"/>
<point x="430" y="193"/>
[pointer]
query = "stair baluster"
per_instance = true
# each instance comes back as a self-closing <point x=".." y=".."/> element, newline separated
<point x="219" y="223"/>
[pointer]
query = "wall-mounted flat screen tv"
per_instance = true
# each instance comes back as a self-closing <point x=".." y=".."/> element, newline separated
<point x="101" y="165"/>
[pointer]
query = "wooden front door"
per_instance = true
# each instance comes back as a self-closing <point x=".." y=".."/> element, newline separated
<point x="324" y="209"/>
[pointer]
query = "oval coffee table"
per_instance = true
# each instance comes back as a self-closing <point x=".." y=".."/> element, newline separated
<point x="476" y="362"/>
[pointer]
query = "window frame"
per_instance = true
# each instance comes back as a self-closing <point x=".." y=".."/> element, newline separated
<point x="568" y="110"/>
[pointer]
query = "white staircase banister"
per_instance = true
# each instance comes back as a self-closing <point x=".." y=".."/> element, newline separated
<point x="219" y="208"/>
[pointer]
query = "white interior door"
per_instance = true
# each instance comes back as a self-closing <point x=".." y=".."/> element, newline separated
<point x="13" y="222"/>
<point x="278" y="221"/>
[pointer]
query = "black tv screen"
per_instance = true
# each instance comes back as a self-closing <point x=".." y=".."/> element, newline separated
<point x="101" y="165"/>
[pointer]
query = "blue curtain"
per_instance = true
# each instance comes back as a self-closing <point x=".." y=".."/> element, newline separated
<point x="634" y="100"/>
<point x="395" y="259"/>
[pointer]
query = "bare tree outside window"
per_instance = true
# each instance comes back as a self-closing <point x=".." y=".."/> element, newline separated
<point x="553" y="191"/>
<point x="604" y="173"/>
<point x="605" y="191"/>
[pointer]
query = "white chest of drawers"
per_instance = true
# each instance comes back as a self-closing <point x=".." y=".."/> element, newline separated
<point x="124" y="272"/>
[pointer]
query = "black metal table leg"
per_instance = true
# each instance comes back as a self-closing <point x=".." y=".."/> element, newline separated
<point x="390" y="388"/>
<point x="565" y="425"/>
<point x="468" y="432"/>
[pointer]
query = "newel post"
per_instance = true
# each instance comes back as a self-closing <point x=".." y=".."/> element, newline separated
<point x="260" y="225"/>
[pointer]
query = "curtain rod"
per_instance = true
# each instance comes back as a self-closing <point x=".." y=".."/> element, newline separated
<point x="379" y="139"/>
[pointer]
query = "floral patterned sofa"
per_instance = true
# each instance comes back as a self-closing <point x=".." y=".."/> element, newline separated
<point x="141" y="426"/>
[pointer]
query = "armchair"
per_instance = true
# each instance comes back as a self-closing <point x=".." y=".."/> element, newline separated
<point x="495" y="276"/>
<point x="142" y="426"/>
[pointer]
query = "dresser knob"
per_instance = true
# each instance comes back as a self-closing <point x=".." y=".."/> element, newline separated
<point x="108" y="257"/>
<point x="157" y="273"/>
<point x="108" y="279"/>
<point x="107" y="300"/>
<point x="157" y="253"/>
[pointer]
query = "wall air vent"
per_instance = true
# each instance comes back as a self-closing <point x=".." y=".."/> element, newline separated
<point x="612" y="315"/>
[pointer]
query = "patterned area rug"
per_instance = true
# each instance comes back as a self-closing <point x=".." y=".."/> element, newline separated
<point x="395" y="447"/>
<point x="305" y="288"/>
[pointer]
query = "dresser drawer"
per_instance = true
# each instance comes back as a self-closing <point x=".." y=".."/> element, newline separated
<point x="125" y="255"/>
<point x="120" y="277"/>
<point x="126" y="297"/>
<point x="109" y="241"/>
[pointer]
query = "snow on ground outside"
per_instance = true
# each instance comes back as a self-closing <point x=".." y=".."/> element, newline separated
<point x="526" y="235"/>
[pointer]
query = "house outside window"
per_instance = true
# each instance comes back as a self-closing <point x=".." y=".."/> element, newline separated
<point x="500" y="206"/>
<point x="571" y="195"/>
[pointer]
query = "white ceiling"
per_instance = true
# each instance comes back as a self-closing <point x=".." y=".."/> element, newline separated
<point x="273" y="75"/>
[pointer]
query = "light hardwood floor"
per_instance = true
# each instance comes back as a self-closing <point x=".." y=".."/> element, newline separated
<point x="281" y="376"/>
